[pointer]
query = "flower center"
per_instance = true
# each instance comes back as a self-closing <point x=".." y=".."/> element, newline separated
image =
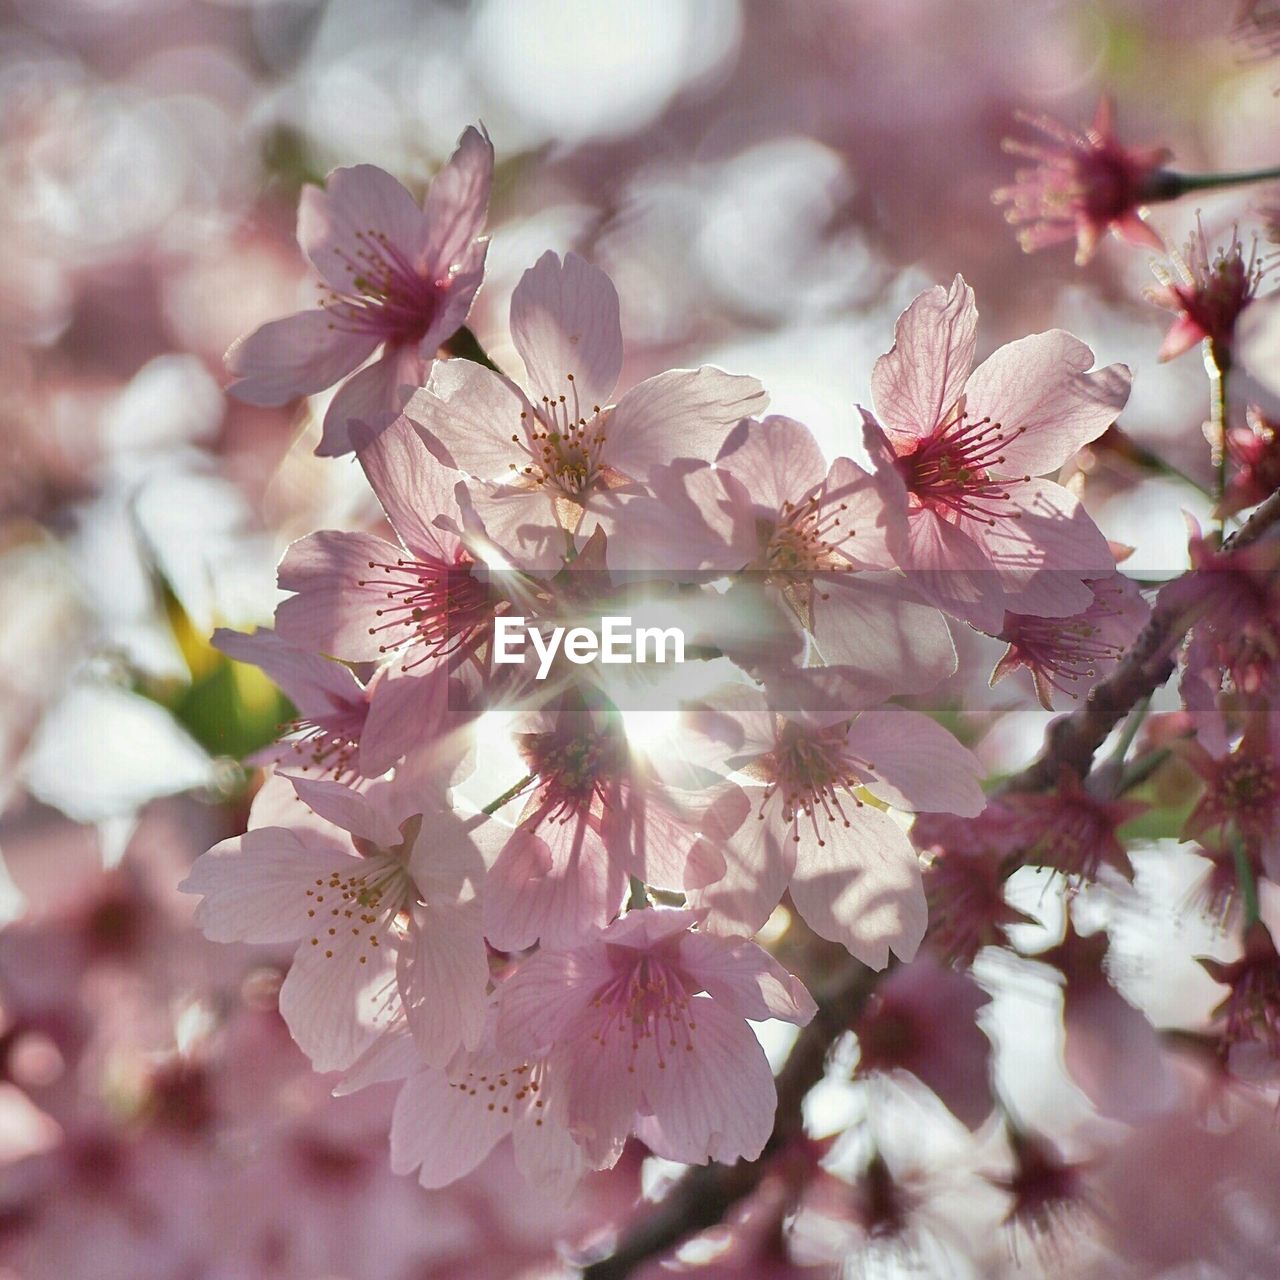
<point x="359" y="904"/>
<point x="326" y="745"/>
<point x="501" y="1090"/>
<point x="806" y="537"/>
<point x="648" y="1001"/>
<point x="386" y="296"/>
<point x="434" y="607"/>
<point x="573" y="770"/>
<point x="564" y="443"/>
<point x="815" y="775"/>
<point x="949" y="472"/>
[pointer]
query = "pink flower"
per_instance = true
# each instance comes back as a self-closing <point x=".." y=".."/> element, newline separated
<point x="1072" y="829"/>
<point x="923" y="1018"/>
<point x="1209" y="296"/>
<point x="332" y="707"/>
<point x="1241" y="790"/>
<point x="378" y="890"/>
<point x="1255" y="450"/>
<point x="449" y="1117"/>
<point x="807" y="536"/>
<point x="392" y="277"/>
<point x="1082" y="186"/>
<point x="542" y="463"/>
<point x="1248" y="1017"/>
<point x="647" y="1025"/>
<point x="597" y="814"/>
<point x="957" y="448"/>
<point x="852" y="872"/>
<point x="418" y="605"/>
<point x="1232" y="662"/>
<point x="1070" y="655"/>
<point x="964" y="883"/>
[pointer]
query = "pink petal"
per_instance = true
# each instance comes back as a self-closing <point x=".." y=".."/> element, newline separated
<point x="467" y="415"/>
<point x="334" y="1006"/>
<point x="866" y="624"/>
<point x="456" y="204"/>
<point x="374" y="397"/>
<point x="948" y="568"/>
<point x="392" y="1056"/>
<point x="404" y="712"/>
<point x="349" y="810"/>
<point x="442" y="975"/>
<point x="745" y="979"/>
<point x="759" y="861"/>
<point x="296" y="356"/>
<point x="548" y="992"/>
<point x="601" y="1091"/>
<point x="871" y="515"/>
<point x="862" y="888"/>
<point x="414" y="488"/>
<point x="1113" y="1053"/>
<point x="714" y="1101"/>
<point x="546" y="1156"/>
<point x="776" y="460"/>
<point x="1042" y="555"/>
<point x="690" y="521"/>
<point x="918" y="765"/>
<point x="255" y="886"/>
<point x="334" y="222"/>
<point x="1183" y="334"/>
<point x="309" y="680"/>
<point x="1133" y="229"/>
<point x="683" y="413"/>
<point x="446" y="862"/>
<point x="564" y="320"/>
<point x="556" y="885"/>
<point x="523" y="523"/>
<point x="1039" y="386"/>
<point x="924" y="371"/>
<point x="441" y="1130"/>
<point x="332" y="612"/>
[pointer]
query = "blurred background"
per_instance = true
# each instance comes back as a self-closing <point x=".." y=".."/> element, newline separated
<point x="767" y="181"/>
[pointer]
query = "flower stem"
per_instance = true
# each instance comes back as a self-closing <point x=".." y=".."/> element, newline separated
<point x="509" y="794"/>
<point x="1217" y="372"/>
<point x="1245" y="878"/>
<point x="1171" y="185"/>
<point x="1130" y="730"/>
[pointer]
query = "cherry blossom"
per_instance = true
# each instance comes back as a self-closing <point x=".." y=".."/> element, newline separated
<point x="1209" y="294"/>
<point x="378" y="890"/>
<point x="596" y="813"/>
<point x="543" y="463"/>
<point x="332" y="704"/>
<point x="850" y="868"/>
<point x="393" y="277"/>
<point x="647" y="1024"/>
<point x="1070" y="655"/>
<point x="1082" y="185"/>
<point x="956" y="452"/>
<point x="805" y="538"/>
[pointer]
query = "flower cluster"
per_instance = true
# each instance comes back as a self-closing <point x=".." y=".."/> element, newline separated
<point x="574" y="962"/>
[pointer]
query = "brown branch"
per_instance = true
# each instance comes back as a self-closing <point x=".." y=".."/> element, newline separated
<point x="706" y="1194"/>
<point x="1072" y="741"/>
